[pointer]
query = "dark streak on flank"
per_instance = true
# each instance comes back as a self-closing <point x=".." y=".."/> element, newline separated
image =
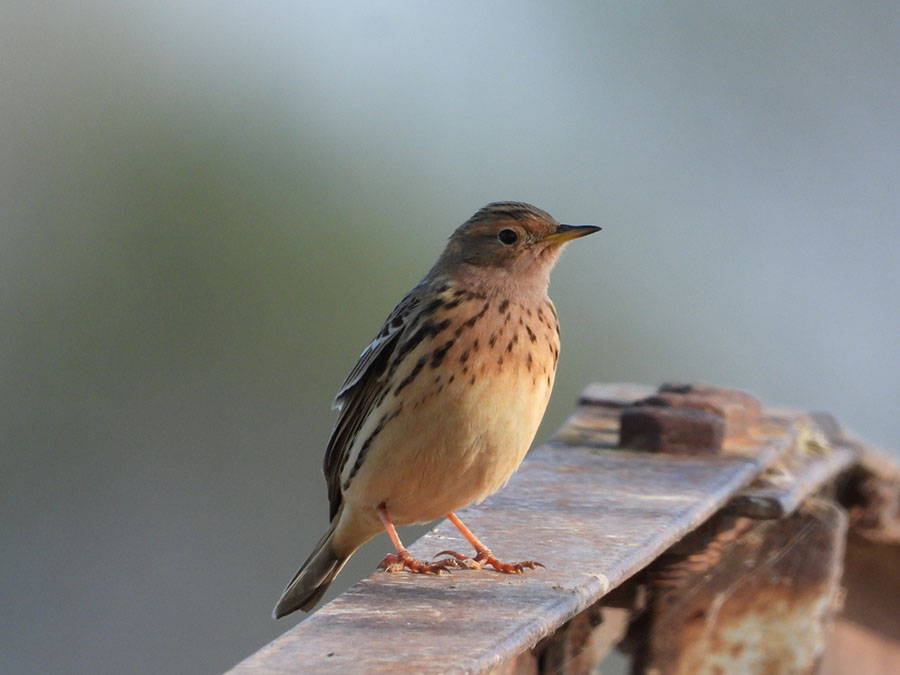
<point x="468" y="323"/>
<point x="552" y="309"/>
<point x="493" y="340"/>
<point x="509" y="346"/>
<point x="438" y="354"/>
<point x="380" y="399"/>
<point x="503" y="306"/>
<point x="529" y="361"/>
<point x="531" y="335"/>
<point x="471" y="322"/>
<point x="432" y="307"/>
<point x="475" y="345"/>
<point x="387" y="417"/>
<point x="429" y="329"/>
<point x="412" y="375"/>
<point x="500" y="360"/>
<point x="464" y="356"/>
<point x="472" y="380"/>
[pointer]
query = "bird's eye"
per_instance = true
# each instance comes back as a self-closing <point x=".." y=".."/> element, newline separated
<point x="508" y="237"/>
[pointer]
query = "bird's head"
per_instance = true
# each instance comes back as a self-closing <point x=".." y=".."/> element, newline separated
<point x="508" y="242"/>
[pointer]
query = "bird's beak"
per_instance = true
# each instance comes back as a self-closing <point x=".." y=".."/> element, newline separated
<point x="566" y="233"/>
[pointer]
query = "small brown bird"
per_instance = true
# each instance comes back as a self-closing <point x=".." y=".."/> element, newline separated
<point x="444" y="403"/>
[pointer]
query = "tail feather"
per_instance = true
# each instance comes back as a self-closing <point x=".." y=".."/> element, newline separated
<point x="313" y="578"/>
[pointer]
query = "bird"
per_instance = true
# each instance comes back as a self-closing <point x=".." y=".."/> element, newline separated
<point x="443" y="404"/>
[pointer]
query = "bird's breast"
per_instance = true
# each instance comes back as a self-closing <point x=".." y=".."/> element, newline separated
<point x="464" y="409"/>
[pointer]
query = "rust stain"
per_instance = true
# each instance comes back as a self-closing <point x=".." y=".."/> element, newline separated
<point x="757" y="598"/>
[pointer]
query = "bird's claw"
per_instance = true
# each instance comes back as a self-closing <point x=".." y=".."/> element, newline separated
<point x="485" y="557"/>
<point x="514" y="567"/>
<point x="458" y="560"/>
<point x="405" y="561"/>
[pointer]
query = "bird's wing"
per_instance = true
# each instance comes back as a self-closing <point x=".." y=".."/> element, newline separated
<point x="360" y="392"/>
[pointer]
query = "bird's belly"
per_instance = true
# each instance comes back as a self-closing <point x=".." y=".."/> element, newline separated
<point x="454" y="445"/>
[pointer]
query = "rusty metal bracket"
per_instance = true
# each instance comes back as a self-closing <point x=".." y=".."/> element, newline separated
<point x="754" y="598"/>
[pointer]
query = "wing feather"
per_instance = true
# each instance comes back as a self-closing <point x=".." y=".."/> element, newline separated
<point x="360" y="392"/>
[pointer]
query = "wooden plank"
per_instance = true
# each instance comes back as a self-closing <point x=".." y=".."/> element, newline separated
<point x="593" y="514"/>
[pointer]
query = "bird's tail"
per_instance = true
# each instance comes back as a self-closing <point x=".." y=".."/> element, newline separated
<point x="313" y="578"/>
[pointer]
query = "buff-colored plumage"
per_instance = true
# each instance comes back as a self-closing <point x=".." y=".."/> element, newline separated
<point x="444" y="403"/>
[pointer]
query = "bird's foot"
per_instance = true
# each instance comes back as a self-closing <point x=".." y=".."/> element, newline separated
<point x="485" y="557"/>
<point x="458" y="560"/>
<point x="404" y="560"/>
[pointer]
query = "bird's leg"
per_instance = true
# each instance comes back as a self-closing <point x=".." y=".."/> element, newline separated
<point x="483" y="555"/>
<point x="404" y="560"/>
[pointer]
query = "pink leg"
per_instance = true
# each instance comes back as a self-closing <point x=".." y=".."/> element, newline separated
<point x="483" y="555"/>
<point x="404" y="559"/>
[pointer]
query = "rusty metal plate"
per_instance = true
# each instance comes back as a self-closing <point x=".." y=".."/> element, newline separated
<point x="757" y="598"/>
<point x="780" y="490"/>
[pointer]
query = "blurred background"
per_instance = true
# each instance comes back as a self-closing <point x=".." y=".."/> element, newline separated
<point x="207" y="209"/>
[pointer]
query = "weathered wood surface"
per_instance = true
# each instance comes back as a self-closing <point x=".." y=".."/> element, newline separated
<point x="593" y="514"/>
